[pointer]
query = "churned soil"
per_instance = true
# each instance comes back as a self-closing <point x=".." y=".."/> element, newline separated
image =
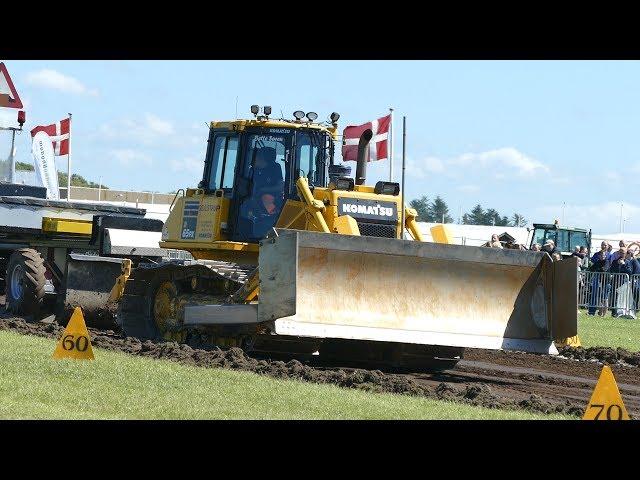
<point x="506" y="380"/>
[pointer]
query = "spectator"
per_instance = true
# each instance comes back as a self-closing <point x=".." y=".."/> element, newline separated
<point x="619" y="266"/>
<point x="556" y="256"/>
<point x="535" y="247"/>
<point x="600" y="286"/>
<point x="616" y="255"/>
<point x="634" y="268"/>
<point x="495" y="242"/>
<point x="584" y="256"/>
<point x="549" y="247"/>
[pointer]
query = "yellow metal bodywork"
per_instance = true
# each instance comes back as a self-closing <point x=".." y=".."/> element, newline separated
<point x="442" y="234"/>
<point x="410" y="222"/>
<point x="316" y="211"/>
<point x="118" y="289"/>
<point x="569" y="342"/>
<point x="203" y="234"/>
<point x="239" y="125"/>
<point x="346" y="225"/>
<point x="65" y="225"/>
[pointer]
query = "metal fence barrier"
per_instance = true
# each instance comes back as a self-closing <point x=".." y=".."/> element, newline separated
<point x="602" y="291"/>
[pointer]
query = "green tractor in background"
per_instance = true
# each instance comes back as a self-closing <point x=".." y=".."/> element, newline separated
<point x="565" y="238"/>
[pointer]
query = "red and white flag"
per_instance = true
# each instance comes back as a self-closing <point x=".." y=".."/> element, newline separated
<point x="379" y="145"/>
<point x="59" y="134"/>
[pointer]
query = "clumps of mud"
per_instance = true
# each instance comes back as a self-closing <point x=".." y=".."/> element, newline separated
<point x="236" y="359"/>
<point x="611" y="356"/>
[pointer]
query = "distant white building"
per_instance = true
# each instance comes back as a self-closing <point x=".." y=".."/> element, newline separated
<point x="475" y="235"/>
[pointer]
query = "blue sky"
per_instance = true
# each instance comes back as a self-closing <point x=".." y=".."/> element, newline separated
<point x="522" y="136"/>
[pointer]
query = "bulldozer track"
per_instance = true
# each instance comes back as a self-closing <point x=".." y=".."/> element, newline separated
<point x="492" y="379"/>
<point x="135" y="310"/>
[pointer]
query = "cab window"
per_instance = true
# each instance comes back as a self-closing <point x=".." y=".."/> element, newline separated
<point x="540" y="236"/>
<point x="578" y="239"/>
<point x="223" y="162"/>
<point x="310" y="153"/>
<point x="562" y="242"/>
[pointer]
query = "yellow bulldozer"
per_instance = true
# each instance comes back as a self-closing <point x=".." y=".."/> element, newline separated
<point x="293" y="256"/>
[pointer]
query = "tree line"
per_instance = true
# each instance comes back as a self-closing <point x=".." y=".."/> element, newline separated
<point x="76" y="180"/>
<point x="437" y="211"/>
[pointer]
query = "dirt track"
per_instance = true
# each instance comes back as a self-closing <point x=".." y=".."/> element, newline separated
<point x="491" y="379"/>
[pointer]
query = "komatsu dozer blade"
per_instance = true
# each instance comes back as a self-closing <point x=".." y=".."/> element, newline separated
<point x="380" y="289"/>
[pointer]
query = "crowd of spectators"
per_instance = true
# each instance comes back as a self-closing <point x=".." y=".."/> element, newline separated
<point x="601" y="290"/>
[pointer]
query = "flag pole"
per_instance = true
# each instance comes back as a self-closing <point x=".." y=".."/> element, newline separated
<point x="391" y="146"/>
<point x="69" y="164"/>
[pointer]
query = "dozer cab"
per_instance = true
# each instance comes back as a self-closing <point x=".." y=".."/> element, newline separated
<point x="294" y="256"/>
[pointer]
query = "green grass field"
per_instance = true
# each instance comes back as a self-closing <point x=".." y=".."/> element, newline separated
<point x="608" y="331"/>
<point x="120" y="386"/>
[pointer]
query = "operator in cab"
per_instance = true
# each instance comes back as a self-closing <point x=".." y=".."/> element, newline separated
<point x="260" y="211"/>
<point x="268" y="184"/>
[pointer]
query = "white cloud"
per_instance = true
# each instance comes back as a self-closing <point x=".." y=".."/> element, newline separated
<point x="55" y="80"/>
<point x="507" y="157"/>
<point x="189" y="164"/>
<point x="157" y="125"/>
<point x="501" y="163"/>
<point x="150" y="130"/>
<point x="131" y="157"/>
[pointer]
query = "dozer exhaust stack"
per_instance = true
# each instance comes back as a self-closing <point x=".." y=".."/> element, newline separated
<point x="368" y="288"/>
<point x="363" y="156"/>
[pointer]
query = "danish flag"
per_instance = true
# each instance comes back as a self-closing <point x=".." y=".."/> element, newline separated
<point x="59" y="133"/>
<point x="378" y="146"/>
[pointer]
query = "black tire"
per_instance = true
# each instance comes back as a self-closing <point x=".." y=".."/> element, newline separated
<point x="24" y="283"/>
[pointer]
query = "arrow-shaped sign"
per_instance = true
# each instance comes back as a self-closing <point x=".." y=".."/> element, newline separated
<point x="9" y="97"/>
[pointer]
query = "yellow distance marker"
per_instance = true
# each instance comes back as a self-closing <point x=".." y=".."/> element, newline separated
<point x="606" y="402"/>
<point x="75" y="341"/>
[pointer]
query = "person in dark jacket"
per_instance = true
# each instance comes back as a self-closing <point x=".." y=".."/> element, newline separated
<point x="616" y="255"/>
<point x="600" y="286"/>
<point x="550" y="247"/>
<point x="618" y="265"/>
<point x="634" y="269"/>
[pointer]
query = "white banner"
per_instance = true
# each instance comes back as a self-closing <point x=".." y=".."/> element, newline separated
<point x="42" y="149"/>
